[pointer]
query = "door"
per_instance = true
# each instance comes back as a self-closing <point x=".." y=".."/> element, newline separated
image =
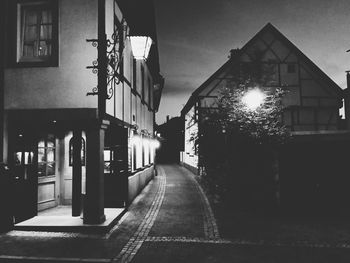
<point x="48" y="183"/>
<point x="116" y="167"/>
<point x="23" y="162"/>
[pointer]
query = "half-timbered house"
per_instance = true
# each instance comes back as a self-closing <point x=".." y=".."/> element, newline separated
<point x="311" y="112"/>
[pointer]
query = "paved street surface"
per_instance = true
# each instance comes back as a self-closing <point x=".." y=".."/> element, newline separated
<point x="171" y="221"/>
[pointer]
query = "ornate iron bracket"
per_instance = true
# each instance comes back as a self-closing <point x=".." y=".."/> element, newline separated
<point x="115" y="47"/>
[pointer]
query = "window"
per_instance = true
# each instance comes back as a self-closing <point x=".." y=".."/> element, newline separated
<point x="108" y="158"/>
<point x="134" y="76"/>
<point x="82" y="152"/>
<point x="37" y="32"/>
<point x="291" y="68"/>
<point x="149" y="93"/>
<point x="46" y="156"/>
<point x="142" y="83"/>
<point x="143" y="152"/>
<point x="28" y="158"/>
<point x="134" y="163"/>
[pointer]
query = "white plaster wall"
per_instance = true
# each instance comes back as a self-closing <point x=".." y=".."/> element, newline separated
<point x="138" y="181"/>
<point x="191" y="127"/>
<point x="64" y="86"/>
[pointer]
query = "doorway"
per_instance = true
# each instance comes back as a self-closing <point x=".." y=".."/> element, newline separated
<point x="23" y="163"/>
<point x="48" y="180"/>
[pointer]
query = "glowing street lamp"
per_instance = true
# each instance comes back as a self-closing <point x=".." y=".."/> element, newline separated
<point x="253" y="99"/>
<point x="155" y="144"/>
<point x="140" y="46"/>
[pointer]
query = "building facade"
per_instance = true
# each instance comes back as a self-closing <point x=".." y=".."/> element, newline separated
<point x="171" y="134"/>
<point x="311" y="114"/>
<point x="62" y="146"/>
<point x="311" y="104"/>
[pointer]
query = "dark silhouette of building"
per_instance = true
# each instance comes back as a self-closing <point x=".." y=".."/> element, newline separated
<point x="171" y="137"/>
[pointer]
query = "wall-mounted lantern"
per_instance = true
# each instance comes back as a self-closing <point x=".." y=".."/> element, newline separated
<point x="140" y="45"/>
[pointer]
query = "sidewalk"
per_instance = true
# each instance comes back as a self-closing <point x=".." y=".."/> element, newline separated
<point x="38" y="246"/>
<point x="171" y="221"/>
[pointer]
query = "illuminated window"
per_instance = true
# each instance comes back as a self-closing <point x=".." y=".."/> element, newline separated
<point x="82" y="152"/>
<point x="37" y="31"/>
<point x="46" y="156"/>
<point x="108" y="159"/>
<point x="25" y="158"/>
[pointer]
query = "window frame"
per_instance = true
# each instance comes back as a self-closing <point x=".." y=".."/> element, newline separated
<point x="46" y="139"/>
<point x="108" y="169"/>
<point x="16" y="41"/>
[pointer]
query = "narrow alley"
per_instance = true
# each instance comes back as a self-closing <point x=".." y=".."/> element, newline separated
<point x="171" y="221"/>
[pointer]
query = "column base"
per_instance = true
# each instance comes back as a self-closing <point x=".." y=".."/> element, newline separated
<point x="94" y="221"/>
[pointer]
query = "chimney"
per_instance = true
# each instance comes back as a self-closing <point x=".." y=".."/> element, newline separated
<point x="233" y="52"/>
<point x="167" y="118"/>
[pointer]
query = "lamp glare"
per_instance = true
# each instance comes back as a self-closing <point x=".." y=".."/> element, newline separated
<point x="140" y="46"/>
<point x="253" y="99"/>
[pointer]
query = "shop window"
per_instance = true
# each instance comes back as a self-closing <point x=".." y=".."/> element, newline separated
<point x="37" y="32"/>
<point x="46" y="156"/>
<point x="83" y="152"/>
<point x="108" y="159"/>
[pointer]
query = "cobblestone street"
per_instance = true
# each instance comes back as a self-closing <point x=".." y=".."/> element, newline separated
<point x="171" y="221"/>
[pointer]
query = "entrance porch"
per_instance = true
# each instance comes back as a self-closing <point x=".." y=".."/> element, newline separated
<point x="60" y="219"/>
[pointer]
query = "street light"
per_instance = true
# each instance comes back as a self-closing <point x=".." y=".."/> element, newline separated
<point x="140" y="46"/>
<point x="253" y="99"/>
<point x="155" y="144"/>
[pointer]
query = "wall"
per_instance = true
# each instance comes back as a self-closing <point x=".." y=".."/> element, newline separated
<point x="133" y="97"/>
<point x="64" y="86"/>
<point x="312" y="102"/>
<point x="138" y="181"/>
<point x="190" y="156"/>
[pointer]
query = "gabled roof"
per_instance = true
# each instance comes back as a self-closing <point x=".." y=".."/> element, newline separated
<point x="267" y="28"/>
<point x="194" y="95"/>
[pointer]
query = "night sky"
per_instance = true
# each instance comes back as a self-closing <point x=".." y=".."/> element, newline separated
<point x="195" y="36"/>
